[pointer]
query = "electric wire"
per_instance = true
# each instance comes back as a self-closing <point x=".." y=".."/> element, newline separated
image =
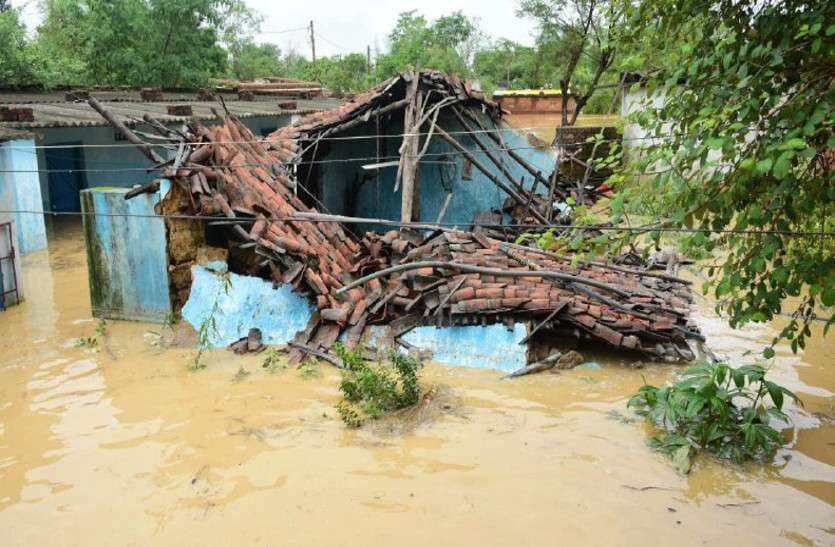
<point x="356" y="220"/>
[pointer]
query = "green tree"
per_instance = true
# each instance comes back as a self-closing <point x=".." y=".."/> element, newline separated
<point x="745" y="139"/>
<point x="248" y="60"/>
<point x="340" y="72"/>
<point x="506" y="62"/>
<point x="448" y="44"/>
<point x="17" y="58"/>
<point x="171" y="43"/>
<point x="579" y="37"/>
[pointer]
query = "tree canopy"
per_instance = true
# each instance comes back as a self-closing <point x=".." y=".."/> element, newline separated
<point x="744" y="143"/>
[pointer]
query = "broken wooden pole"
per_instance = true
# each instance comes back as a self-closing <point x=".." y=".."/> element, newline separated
<point x="547" y="363"/>
<point x="469" y="268"/>
<point x="512" y="153"/>
<point x="444" y="207"/>
<point x="362" y="119"/>
<point x="408" y="150"/>
<point x="123" y="129"/>
<point x="483" y="168"/>
<point x="489" y="153"/>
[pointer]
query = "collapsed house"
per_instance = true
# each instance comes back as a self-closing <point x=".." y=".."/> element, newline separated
<point x="286" y="209"/>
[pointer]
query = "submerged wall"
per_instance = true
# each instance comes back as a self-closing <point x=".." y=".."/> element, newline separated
<point x="126" y="256"/>
<point x="346" y="188"/>
<point x="20" y="191"/>
<point x="239" y="303"/>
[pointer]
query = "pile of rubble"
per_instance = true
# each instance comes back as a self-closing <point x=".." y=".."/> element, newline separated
<point x="415" y="276"/>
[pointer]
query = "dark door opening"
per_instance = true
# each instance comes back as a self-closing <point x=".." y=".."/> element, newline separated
<point x="66" y="177"/>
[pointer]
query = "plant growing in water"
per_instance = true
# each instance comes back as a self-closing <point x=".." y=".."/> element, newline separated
<point x="371" y="390"/>
<point x="208" y="328"/>
<point x="93" y="341"/>
<point x="309" y="369"/>
<point x="273" y="362"/>
<point x="716" y="408"/>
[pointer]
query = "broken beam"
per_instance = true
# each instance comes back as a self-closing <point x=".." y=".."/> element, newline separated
<point x="483" y="168"/>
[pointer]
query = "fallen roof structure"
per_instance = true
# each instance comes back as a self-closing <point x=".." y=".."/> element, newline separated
<point x="418" y="275"/>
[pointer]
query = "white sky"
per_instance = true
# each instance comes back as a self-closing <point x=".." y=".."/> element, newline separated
<point x="349" y="26"/>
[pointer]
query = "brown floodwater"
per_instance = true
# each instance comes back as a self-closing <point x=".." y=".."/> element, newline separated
<point x="123" y="445"/>
<point x="545" y="125"/>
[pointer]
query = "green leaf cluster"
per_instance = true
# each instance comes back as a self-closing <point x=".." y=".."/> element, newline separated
<point x="743" y="137"/>
<point x="371" y="390"/>
<point x="718" y="409"/>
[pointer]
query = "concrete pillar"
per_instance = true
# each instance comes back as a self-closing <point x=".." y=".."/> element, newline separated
<point x="127" y="257"/>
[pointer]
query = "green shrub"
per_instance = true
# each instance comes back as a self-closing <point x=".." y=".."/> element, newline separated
<point x="715" y="408"/>
<point x="372" y="389"/>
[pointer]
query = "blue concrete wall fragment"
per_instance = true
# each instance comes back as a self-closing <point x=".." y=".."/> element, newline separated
<point x="20" y="191"/>
<point x="251" y="302"/>
<point x="344" y="185"/>
<point x="248" y="302"/>
<point x="489" y="347"/>
<point x="126" y="256"/>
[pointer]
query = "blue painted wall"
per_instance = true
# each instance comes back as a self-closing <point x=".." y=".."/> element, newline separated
<point x="126" y="256"/>
<point x="490" y="346"/>
<point x="100" y="161"/>
<point x="20" y="190"/>
<point x="341" y="181"/>
<point x="247" y="302"/>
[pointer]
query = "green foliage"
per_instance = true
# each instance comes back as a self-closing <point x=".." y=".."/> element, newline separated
<point x="93" y="341"/>
<point x="448" y="43"/>
<point x="579" y="43"/>
<point x="310" y="369"/>
<point x="170" y="43"/>
<point x="340" y="73"/>
<point x="87" y="342"/>
<point x="371" y="390"/>
<point x="274" y="361"/>
<point x="745" y="125"/>
<point x="718" y="409"/>
<point x="208" y="328"/>
<point x="18" y="59"/>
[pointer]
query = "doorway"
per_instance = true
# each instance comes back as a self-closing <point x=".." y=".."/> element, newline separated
<point x="65" y="176"/>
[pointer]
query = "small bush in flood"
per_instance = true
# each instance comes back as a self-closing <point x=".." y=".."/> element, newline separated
<point x="716" y="408"/>
<point x="371" y="390"/>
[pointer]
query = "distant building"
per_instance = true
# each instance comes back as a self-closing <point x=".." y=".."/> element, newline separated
<point x="533" y="101"/>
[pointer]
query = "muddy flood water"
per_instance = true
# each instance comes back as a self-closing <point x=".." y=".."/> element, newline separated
<point x="124" y="445"/>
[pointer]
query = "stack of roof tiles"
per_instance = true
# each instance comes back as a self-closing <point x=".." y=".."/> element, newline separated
<point x="229" y="172"/>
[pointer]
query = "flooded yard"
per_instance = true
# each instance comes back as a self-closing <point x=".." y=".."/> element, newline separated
<point x="123" y="445"/>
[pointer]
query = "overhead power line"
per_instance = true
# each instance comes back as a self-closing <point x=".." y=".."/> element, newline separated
<point x="421" y="225"/>
<point x="345" y="138"/>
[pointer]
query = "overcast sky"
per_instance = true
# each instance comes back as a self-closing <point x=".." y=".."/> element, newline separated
<point x="345" y="26"/>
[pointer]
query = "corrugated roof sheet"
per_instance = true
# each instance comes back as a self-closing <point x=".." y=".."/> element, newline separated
<point x="51" y="110"/>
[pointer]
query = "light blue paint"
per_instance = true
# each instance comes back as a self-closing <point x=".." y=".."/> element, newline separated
<point x="20" y="191"/>
<point x="491" y="346"/>
<point x="249" y="302"/>
<point x="346" y="188"/>
<point x="127" y="257"/>
<point x="122" y="165"/>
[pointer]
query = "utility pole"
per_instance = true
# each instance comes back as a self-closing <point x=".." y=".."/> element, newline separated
<point x="312" y="42"/>
<point x="368" y="58"/>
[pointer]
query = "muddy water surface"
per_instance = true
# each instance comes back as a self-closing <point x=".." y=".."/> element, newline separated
<point x="123" y="445"/>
